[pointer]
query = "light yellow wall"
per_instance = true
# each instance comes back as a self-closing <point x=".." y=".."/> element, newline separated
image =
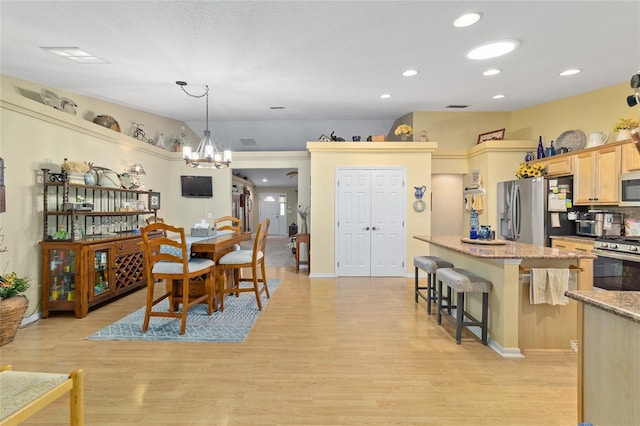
<point x="590" y="112"/>
<point x="326" y="157"/>
<point x="459" y="129"/>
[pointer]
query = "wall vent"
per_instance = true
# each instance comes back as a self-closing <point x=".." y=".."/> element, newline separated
<point x="248" y="142"/>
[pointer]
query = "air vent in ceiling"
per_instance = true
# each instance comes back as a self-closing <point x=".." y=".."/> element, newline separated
<point x="457" y="106"/>
<point x="248" y="142"/>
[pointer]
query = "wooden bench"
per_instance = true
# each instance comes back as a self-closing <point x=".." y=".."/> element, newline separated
<point x="22" y="394"/>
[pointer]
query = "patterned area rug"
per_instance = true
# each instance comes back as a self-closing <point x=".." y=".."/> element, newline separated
<point x="231" y="326"/>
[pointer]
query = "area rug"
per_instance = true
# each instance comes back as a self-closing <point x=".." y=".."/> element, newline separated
<point x="230" y="326"/>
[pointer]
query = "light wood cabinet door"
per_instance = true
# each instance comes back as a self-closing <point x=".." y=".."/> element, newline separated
<point x="561" y="166"/>
<point x="573" y="245"/>
<point x="596" y="176"/>
<point x="630" y="158"/>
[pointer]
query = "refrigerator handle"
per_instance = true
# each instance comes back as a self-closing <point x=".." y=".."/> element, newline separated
<point x="517" y="212"/>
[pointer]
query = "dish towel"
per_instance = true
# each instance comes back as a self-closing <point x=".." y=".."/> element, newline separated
<point x="549" y="285"/>
<point x="477" y="203"/>
<point x="558" y="283"/>
<point x="538" y="288"/>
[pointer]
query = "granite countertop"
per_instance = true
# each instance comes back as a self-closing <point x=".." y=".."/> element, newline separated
<point x="622" y="303"/>
<point x="510" y="250"/>
<point x="579" y="238"/>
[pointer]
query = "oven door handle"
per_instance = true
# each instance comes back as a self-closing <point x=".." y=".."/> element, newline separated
<point x="616" y="255"/>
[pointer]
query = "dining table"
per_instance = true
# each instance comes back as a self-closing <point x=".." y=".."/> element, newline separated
<point x="213" y="248"/>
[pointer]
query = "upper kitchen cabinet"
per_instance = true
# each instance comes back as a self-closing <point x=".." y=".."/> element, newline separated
<point x="630" y="158"/>
<point x="596" y="176"/>
<point x="560" y="165"/>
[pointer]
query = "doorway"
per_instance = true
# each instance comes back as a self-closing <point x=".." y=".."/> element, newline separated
<point x="274" y="207"/>
<point x="370" y="212"/>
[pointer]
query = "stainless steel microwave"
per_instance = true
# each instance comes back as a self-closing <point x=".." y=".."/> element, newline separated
<point x="629" y="189"/>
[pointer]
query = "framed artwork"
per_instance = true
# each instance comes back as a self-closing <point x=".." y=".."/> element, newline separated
<point x="154" y="201"/>
<point x="495" y="135"/>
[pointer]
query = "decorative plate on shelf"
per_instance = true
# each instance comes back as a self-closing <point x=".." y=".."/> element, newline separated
<point x="572" y="139"/>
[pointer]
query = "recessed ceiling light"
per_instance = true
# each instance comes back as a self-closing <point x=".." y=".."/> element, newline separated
<point x="570" y="72"/>
<point x="493" y="49"/>
<point x="385" y="96"/>
<point x="467" y="19"/>
<point x="492" y="71"/>
<point x="75" y="54"/>
<point x="499" y="96"/>
<point x="410" y="73"/>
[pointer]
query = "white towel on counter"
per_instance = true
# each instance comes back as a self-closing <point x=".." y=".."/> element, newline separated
<point x="548" y="285"/>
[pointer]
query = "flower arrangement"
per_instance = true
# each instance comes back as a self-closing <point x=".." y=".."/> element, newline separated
<point x="528" y="170"/>
<point x="12" y="285"/>
<point x="625" y="124"/>
<point x="404" y="129"/>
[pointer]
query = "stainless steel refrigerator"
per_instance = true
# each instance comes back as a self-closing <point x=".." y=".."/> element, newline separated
<point x="523" y="210"/>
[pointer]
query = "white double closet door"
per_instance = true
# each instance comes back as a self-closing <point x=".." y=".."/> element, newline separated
<point x="370" y="228"/>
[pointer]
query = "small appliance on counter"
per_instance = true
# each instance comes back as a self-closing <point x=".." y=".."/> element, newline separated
<point x="598" y="223"/>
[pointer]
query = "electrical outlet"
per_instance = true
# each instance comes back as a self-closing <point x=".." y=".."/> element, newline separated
<point x="210" y="215"/>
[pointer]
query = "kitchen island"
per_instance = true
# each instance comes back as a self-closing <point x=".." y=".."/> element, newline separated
<point x="514" y="323"/>
<point x="609" y="356"/>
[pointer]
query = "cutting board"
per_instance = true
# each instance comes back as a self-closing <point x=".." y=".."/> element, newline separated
<point x="484" y="242"/>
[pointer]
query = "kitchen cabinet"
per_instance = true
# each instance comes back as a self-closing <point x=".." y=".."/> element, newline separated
<point x="559" y="165"/>
<point x="596" y="176"/>
<point x="90" y="251"/>
<point x="630" y="158"/>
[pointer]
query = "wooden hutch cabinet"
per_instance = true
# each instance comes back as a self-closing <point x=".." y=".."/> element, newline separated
<point x="90" y="251"/>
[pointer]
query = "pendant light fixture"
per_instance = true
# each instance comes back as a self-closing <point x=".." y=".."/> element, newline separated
<point x="206" y="156"/>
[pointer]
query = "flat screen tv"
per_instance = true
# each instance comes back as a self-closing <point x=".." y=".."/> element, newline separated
<point x="197" y="186"/>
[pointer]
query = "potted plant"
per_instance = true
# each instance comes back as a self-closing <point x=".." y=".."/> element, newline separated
<point x="13" y="303"/>
<point x="624" y="127"/>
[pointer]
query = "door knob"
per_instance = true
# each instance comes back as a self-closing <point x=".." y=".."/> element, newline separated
<point x="366" y="228"/>
<point x="375" y="229"/>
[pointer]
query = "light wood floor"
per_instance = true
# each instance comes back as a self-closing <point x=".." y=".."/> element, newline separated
<point x="323" y="352"/>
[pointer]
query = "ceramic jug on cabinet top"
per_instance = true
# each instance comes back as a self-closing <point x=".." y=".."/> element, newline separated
<point x="597" y="139"/>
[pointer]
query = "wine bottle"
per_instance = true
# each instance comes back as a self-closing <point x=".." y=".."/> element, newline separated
<point x="540" y="148"/>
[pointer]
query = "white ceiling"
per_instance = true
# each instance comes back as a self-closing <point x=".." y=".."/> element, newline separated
<point x="326" y="62"/>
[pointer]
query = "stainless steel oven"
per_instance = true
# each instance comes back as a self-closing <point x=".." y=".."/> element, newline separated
<point x="618" y="264"/>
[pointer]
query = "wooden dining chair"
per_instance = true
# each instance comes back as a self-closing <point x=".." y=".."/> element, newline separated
<point x="239" y="259"/>
<point x="229" y="223"/>
<point x="154" y="219"/>
<point x="167" y="258"/>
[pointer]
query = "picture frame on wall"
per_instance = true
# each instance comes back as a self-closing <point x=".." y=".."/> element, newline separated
<point x="494" y="135"/>
<point x="154" y="201"/>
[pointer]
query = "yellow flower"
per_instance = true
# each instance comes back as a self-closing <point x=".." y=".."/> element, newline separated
<point x="528" y="170"/>
<point x="625" y="123"/>
<point x="404" y="129"/>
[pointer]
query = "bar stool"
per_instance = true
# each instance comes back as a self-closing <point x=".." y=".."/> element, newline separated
<point x="462" y="281"/>
<point x="430" y="265"/>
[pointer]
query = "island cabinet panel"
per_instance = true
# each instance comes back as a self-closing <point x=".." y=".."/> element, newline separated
<point x="596" y="176"/>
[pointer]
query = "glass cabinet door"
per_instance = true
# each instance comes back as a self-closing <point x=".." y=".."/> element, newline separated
<point x="62" y="275"/>
<point x="101" y="276"/>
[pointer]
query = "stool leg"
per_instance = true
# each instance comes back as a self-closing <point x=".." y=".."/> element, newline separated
<point x="416" y="285"/>
<point x="448" y="298"/>
<point x="430" y="289"/>
<point x="485" y="316"/>
<point x="439" y="302"/>
<point x="459" y="317"/>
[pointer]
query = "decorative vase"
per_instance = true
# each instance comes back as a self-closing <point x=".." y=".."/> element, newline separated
<point x="529" y="156"/>
<point x="12" y="311"/>
<point x="623" y="135"/>
<point x="404" y="137"/>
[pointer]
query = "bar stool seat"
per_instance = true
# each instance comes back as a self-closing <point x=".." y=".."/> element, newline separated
<point x="430" y="265"/>
<point x="462" y="281"/>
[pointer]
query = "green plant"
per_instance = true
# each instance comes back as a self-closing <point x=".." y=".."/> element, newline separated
<point x="12" y="285"/>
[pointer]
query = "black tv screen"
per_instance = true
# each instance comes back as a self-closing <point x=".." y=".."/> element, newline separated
<point x="197" y="186"/>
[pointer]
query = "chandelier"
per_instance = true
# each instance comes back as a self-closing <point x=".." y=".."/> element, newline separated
<point x="207" y="155"/>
